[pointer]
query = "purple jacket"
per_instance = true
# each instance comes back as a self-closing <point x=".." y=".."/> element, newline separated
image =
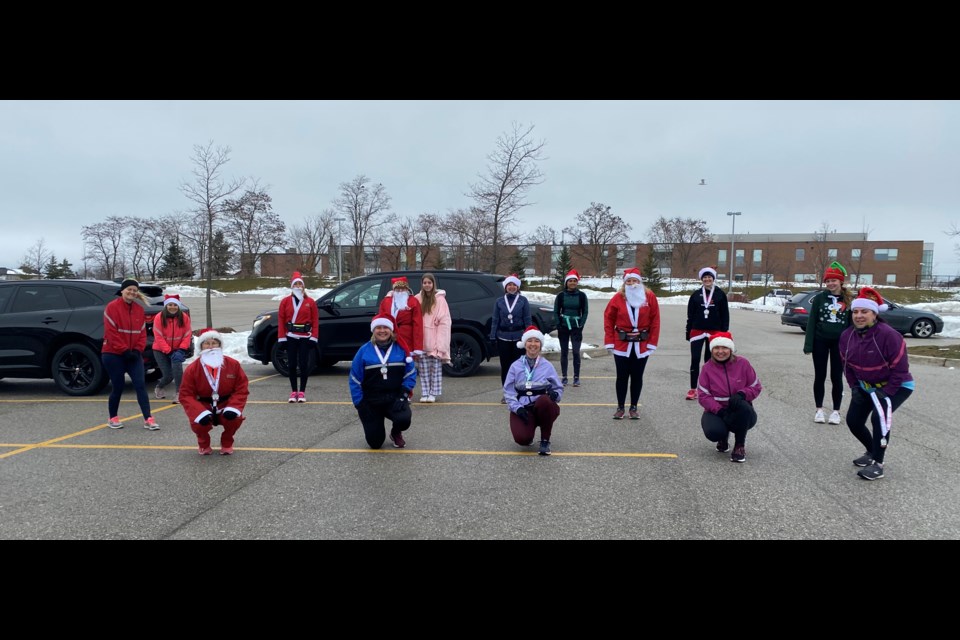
<point x="718" y="381"/>
<point x="877" y="355"/>
<point x="544" y="376"/>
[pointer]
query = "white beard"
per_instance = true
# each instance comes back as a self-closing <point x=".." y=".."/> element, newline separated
<point x="212" y="357"/>
<point x="636" y="296"/>
<point x="297" y="292"/>
<point x="400" y="299"/>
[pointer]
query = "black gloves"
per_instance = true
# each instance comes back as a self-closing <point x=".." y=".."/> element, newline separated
<point x="399" y="404"/>
<point x="737" y="400"/>
<point x="205" y="420"/>
<point x="178" y="356"/>
<point x="230" y="414"/>
<point x="522" y="413"/>
<point x="130" y="354"/>
<point x="554" y="395"/>
<point x="687" y="335"/>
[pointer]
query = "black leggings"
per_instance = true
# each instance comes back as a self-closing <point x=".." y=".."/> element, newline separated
<point x="861" y="406"/>
<point x="716" y="429"/>
<point x="629" y="367"/>
<point x="823" y="349"/>
<point x="373" y="414"/>
<point x="567" y="336"/>
<point x="696" y="346"/>
<point x="298" y="351"/>
<point x="509" y="353"/>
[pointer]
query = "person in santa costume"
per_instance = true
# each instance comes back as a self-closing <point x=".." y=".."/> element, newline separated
<point x="570" y="307"/>
<point x="631" y="331"/>
<point x="829" y="317"/>
<point x="382" y="378"/>
<point x="213" y="393"/>
<point x="298" y="328"/>
<point x="707" y="313"/>
<point x="532" y="391"/>
<point x="726" y="389"/>
<point x="511" y="314"/>
<point x="407" y="316"/>
<point x="877" y="369"/>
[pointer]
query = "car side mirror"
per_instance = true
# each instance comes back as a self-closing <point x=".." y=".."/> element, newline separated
<point x="330" y="307"/>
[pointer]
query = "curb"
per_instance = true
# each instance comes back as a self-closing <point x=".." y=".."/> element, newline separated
<point x="934" y="361"/>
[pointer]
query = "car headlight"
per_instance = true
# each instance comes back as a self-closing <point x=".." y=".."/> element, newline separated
<point x="260" y="320"/>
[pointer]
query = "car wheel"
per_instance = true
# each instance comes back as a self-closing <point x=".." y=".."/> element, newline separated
<point x="922" y="328"/>
<point x="465" y="356"/>
<point x="77" y="370"/>
<point x="278" y="356"/>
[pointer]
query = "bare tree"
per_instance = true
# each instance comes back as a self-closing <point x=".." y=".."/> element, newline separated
<point x="398" y="238"/>
<point x="819" y="250"/>
<point x="37" y="257"/>
<point x="314" y="238"/>
<point x="859" y="258"/>
<point x="429" y="233"/>
<point x="683" y="235"/>
<point x="253" y="227"/>
<point x="543" y="235"/>
<point x="208" y="191"/>
<point x="103" y="244"/>
<point x="365" y="209"/>
<point x="155" y="247"/>
<point x="595" y="230"/>
<point x="511" y="173"/>
<point x="138" y="241"/>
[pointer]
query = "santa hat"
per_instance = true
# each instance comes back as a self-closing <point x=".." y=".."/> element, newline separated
<point x="869" y="299"/>
<point x="381" y="320"/>
<point x="297" y="278"/>
<point x="208" y="334"/>
<point x="707" y="270"/>
<point x="531" y="332"/>
<point x="402" y="280"/>
<point x="835" y="272"/>
<point x="571" y="275"/>
<point x="722" y="339"/>
<point x="632" y="272"/>
<point x="172" y="297"/>
<point x="514" y="278"/>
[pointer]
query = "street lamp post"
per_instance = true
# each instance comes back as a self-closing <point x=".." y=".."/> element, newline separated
<point x="733" y="234"/>
<point x="339" y="251"/>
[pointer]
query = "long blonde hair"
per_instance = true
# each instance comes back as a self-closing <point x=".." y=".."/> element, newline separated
<point x="428" y="299"/>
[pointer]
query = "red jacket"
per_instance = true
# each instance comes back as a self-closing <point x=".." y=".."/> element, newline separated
<point x="233" y="389"/>
<point x="167" y="339"/>
<point x="616" y="317"/>
<point x="307" y="313"/>
<point x="124" y="327"/>
<point x="409" y="322"/>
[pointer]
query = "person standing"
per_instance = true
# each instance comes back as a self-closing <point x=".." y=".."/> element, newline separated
<point x="171" y="342"/>
<point x="298" y="328"/>
<point x="877" y="369"/>
<point x="532" y="391"/>
<point x="382" y="378"/>
<point x="124" y="339"/>
<point x="214" y="393"/>
<point x="829" y="317"/>
<point x="571" y="309"/>
<point x="727" y="387"/>
<point x="407" y="316"/>
<point x="436" y="338"/>
<point x="511" y="314"/>
<point x="631" y="330"/>
<point x="707" y="313"/>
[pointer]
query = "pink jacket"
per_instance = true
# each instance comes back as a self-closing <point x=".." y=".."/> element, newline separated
<point x="436" y="328"/>
<point x="719" y="381"/>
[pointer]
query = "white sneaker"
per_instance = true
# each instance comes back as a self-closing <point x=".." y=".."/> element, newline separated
<point x="835" y="417"/>
<point x="424" y="398"/>
<point x="820" y="418"/>
<point x="431" y="398"/>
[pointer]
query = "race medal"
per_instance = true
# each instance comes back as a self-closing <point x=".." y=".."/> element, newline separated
<point x="529" y="385"/>
<point x="383" y="370"/>
<point x="215" y="397"/>
<point x="706" y="313"/>
<point x="510" y="317"/>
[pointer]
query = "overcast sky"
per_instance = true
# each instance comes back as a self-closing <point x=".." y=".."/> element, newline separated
<point x="788" y="166"/>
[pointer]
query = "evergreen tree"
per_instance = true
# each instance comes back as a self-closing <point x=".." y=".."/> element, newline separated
<point x="58" y="270"/>
<point x="651" y="275"/>
<point x="564" y="264"/>
<point x="175" y="263"/>
<point x="222" y="255"/>
<point x="518" y="263"/>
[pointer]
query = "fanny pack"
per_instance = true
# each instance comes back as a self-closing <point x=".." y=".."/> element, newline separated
<point x="299" y="328"/>
<point x="643" y="335"/>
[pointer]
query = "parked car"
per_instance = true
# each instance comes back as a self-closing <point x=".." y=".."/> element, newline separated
<point x="785" y="294"/>
<point x="346" y="312"/>
<point x="54" y="329"/>
<point x="922" y="324"/>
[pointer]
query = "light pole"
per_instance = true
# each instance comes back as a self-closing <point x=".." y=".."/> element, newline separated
<point x="339" y="251"/>
<point x="733" y="234"/>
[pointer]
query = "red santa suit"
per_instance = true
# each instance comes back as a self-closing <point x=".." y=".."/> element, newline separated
<point x="197" y="398"/>
<point x="408" y="322"/>
<point x="617" y="316"/>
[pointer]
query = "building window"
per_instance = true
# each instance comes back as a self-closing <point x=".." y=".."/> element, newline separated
<point x="740" y="257"/>
<point x="757" y="256"/>
<point x="805" y="277"/>
<point x="864" y="279"/>
<point x="722" y="256"/>
<point x="626" y="256"/>
<point x="799" y="256"/>
<point x="854" y="254"/>
<point x="831" y="254"/>
<point x="761" y="277"/>
<point x="884" y="255"/>
<point x="891" y="278"/>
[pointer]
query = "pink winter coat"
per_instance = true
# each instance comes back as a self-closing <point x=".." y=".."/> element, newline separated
<point x="436" y="327"/>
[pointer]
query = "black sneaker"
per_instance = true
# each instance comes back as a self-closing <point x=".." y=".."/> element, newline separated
<point x="397" y="438"/>
<point x="864" y="461"/>
<point x="873" y="472"/>
<point x="723" y="445"/>
<point x="576" y="381"/>
<point x="564" y="381"/>
<point x="544" y="447"/>
<point x="739" y="453"/>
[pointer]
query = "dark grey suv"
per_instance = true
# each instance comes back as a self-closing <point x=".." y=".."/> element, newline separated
<point x="346" y="312"/>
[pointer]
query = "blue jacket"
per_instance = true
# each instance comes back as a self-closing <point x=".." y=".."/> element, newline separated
<point x="502" y="327"/>
<point x="366" y="379"/>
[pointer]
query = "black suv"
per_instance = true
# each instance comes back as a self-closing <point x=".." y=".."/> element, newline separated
<point x="54" y="329"/>
<point x="346" y="312"/>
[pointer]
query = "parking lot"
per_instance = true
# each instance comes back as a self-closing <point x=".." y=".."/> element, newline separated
<point x="303" y="471"/>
